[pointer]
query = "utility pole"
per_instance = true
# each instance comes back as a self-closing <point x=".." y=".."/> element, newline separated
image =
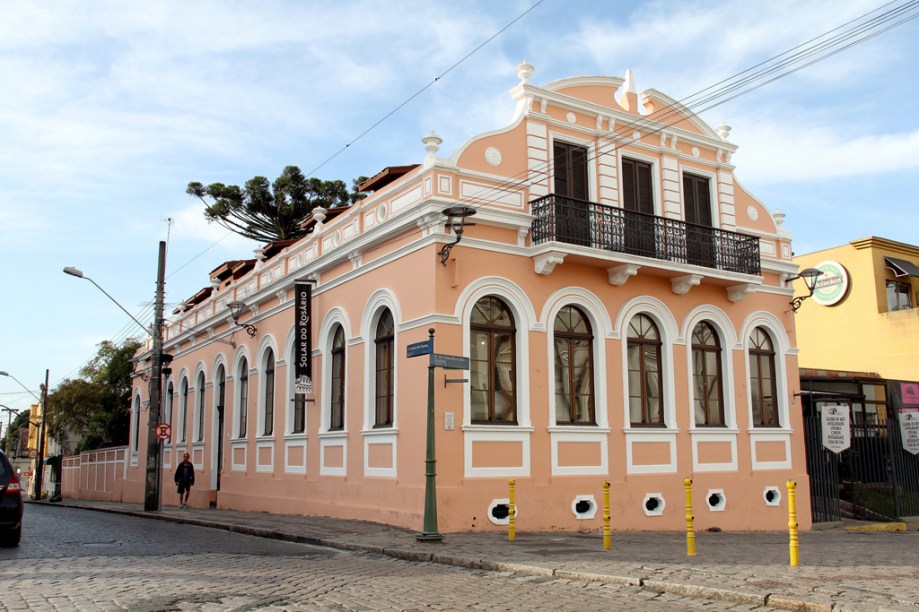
<point x="154" y="453"/>
<point x="40" y="460"/>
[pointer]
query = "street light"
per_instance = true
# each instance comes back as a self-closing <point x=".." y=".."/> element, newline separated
<point x="79" y="274"/>
<point x="154" y="444"/>
<point x="236" y="309"/>
<point x="43" y="400"/>
<point x="810" y="276"/>
<point x="456" y="217"/>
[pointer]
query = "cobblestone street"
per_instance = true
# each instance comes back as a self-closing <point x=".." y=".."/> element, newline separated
<point x="74" y="559"/>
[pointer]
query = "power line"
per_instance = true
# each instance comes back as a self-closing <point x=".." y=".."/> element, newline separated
<point x="795" y="59"/>
<point x="425" y="88"/>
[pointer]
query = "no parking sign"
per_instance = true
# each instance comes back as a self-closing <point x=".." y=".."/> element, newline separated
<point x="163" y="431"/>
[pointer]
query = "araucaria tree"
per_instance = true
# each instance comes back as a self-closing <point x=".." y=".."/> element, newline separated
<point x="269" y="212"/>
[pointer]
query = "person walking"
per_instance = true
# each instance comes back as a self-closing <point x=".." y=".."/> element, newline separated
<point x="185" y="478"/>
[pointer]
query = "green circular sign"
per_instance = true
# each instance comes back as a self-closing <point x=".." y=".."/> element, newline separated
<point x="833" y="285"/>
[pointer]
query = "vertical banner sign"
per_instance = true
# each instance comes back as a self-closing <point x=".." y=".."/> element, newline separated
<point x="835" y="426"/>
<point x="303" y="366"/>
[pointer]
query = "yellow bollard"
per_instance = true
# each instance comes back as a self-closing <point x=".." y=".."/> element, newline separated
<point x="607" y="539"/>
<point x="690" y="530"/>
<point x="793" y="556"/>
<point x="511" y="527"/>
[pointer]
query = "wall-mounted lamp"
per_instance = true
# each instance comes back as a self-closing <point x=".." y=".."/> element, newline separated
<point x="456" y="218"/>
<point x="810" y="276"/>
<point x="236" y="309"/>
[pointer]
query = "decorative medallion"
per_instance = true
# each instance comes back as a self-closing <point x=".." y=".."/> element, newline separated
<point x="695" y="152"/>
<point x="752" y="213"/>
<point x="572" y="118"/>
<point x="636" y="136"/>
<point x="493" y="156"/>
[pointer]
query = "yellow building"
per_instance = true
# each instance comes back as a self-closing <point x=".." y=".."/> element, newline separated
<point x="864" y="315"/>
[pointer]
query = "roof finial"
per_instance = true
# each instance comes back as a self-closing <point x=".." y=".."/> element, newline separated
<point x="630" y="81"/>
<point x="525" y="71"/>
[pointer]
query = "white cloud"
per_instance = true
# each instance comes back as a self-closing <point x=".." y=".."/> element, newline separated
<point x="788" y="152"/>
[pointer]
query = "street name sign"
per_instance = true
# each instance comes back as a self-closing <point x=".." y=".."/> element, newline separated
<point x="835" y="426"/>
<point x="449" y="362"/>
<point x="417" y="349"/>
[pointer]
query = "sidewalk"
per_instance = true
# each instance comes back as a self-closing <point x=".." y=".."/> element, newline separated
<point x="839" y="570"/>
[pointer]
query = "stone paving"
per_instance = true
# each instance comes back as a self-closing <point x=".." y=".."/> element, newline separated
<point x="839" y="570"/>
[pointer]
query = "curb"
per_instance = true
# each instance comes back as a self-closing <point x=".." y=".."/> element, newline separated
<point x="884" y="527"/>
<point x="659" y="586"/>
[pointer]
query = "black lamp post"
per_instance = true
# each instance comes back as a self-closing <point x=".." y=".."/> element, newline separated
<point x="236" y="309"/>
<point x="810" y="276"/>
<point x="456" y="217"/>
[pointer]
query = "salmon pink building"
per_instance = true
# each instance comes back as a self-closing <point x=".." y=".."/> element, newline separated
<point x="620" y="301"/>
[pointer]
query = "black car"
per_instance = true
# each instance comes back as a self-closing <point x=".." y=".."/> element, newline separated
<point x="10" y="504"/>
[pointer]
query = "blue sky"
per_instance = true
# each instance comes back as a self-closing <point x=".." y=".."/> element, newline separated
<point x="108" y="110"/>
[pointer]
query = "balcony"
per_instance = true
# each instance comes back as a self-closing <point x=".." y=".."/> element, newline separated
<point x="578" y="222"/>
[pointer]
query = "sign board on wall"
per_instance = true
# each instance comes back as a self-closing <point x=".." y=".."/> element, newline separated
<point x="835" y="427"/>
<point x="303" y="366"/>
<point x="909" y="429"/>
<point x="833" y="285"/>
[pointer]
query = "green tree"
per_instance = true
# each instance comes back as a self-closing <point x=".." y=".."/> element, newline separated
<point x="11" y="439"/>
<point x="268" y="212"/>
<point x="98" y="405"/>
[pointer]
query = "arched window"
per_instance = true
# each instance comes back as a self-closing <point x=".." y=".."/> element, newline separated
<point x="762" y="379"/>
<point x="167" y="404"/>
<point x="269" y="392"/>
<point x="337" y="403"/>
<point x="135" y="443"/>
<point x="574" y="368"/>
<point x="221" y="388"/>
<point x="199" y="410"/>
<point x="493" y="359"/>
<point x="644" y="363"/>
<point x="384" y="341"/>
<point x="243" y="408"/>
<point x="708" y="396"/>
<point x="183" y="411"/>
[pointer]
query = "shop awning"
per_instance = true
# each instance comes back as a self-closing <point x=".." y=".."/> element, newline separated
<point x="901" y="267"/>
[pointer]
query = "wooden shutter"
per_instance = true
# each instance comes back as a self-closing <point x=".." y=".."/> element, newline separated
<point x="636" y="186"/>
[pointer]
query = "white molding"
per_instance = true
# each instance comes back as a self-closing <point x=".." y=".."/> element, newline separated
<point x="762" y="434"/>
<point x="295" y="441"/>
<point x="234" y="445"/>
<point x="329" y="440"/>
<point x="654" y="435"/>
<point x="381" y="437"/>
<point x="260" y="444"/>
<point x="580" y="435"/>
<point x="702" y="436"/>
<point x="474" y="434"/>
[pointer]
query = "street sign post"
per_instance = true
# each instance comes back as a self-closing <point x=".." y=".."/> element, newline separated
<point x="449" y="362"/>
<point x="418" y="349"/>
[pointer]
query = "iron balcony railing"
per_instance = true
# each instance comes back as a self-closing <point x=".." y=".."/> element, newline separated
<point x="562" y="219"/>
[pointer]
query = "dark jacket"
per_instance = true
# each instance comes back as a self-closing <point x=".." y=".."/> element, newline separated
<point x="185" y="473"/>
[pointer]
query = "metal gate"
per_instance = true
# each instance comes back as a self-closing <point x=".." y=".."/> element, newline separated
<point x="875" y="479"/>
